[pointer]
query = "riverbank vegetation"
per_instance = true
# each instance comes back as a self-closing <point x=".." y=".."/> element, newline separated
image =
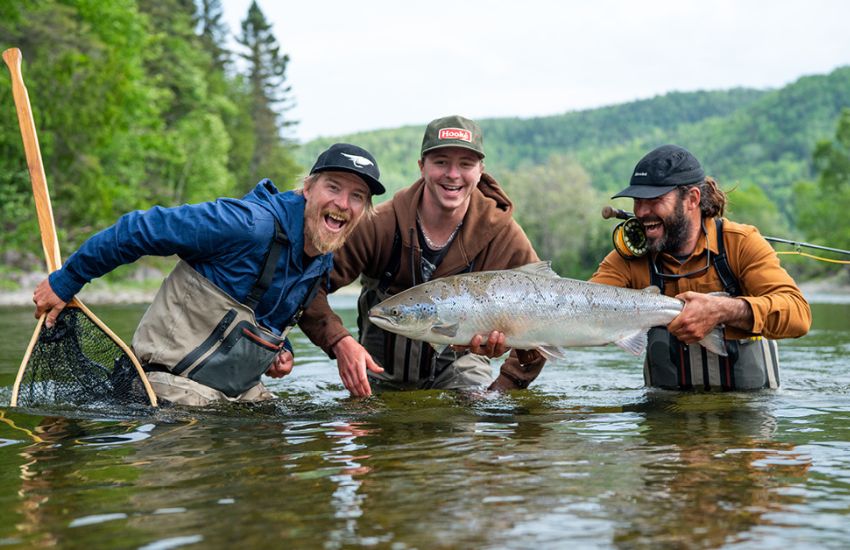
<point x="143" y="102"/>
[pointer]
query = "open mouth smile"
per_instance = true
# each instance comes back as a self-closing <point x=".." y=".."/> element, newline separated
<point x="652" y="227"/>
<point x="335" y="221"/>
<point x="452" y="188"/>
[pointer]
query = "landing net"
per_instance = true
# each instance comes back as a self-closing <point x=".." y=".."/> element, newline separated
<point x="76" y="363"/>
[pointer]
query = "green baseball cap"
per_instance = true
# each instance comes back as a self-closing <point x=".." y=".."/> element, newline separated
<point x="453" y="131"/>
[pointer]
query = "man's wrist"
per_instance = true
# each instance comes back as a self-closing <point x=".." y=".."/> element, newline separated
<point x="334" y="349"/>
<point x="739" y="314"/>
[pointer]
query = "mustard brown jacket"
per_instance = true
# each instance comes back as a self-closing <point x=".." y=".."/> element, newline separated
<point x="489" y="239"/>
<point x="779" y="308"/>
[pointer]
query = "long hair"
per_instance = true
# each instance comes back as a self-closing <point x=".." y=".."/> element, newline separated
<point x="712" y="201"/>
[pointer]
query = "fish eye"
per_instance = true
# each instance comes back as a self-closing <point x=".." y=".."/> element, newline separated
<point x="395" y="311"/>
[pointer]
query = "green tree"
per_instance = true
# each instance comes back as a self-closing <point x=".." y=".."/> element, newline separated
<point x="92" y="107"/>
<point x="188" y="162"/>
<point x="213" y="33"/>
<point x="560" y="212"/>
<point x="748" y="203"/>
<point x="822" y="206"/>
<point x="269" y="99"/>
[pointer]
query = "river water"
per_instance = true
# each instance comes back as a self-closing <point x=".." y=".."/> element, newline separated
<point x="585" y="458"/>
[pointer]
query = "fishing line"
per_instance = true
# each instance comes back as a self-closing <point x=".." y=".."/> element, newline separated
<point x="813" y="257"/>
<point x="630" y="239"/>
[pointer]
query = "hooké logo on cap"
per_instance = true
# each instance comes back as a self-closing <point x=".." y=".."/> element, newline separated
<point x="455" y="133"/>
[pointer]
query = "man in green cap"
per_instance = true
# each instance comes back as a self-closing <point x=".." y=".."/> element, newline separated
<point x="454" y="219"/>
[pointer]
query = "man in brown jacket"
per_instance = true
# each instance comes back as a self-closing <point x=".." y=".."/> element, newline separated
<point x="692" y="253"/>
<point x="454" y="219"/>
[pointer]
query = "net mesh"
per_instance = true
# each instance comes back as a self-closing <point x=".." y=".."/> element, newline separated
<point x="76" y="363"/>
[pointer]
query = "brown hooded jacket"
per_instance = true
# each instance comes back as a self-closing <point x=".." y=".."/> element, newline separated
<point x="489" y="239"/>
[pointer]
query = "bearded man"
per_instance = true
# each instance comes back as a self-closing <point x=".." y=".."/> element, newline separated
<point x="726" y="273"/>
<point x="248" y="268"/>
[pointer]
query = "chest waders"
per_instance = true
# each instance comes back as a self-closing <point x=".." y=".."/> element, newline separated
<point x="411" y="363"/>
<point x="195" y="338"/>
<point x="752" y="363"/>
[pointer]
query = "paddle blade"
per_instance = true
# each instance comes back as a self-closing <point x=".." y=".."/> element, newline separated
<point x="76" y="363"/>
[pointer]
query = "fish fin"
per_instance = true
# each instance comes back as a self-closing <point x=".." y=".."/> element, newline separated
<point x="652" y="290"/>
<point x="714" y="342"/>
<point x="552" y="352"/>
<point x="439" y="348"/>
<point x="635" y="343"/>
<point x="445" y="330"/>
<point x="542" y="268"/>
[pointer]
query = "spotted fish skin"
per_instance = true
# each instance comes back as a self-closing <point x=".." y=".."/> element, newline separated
<point x="535" y="309"/>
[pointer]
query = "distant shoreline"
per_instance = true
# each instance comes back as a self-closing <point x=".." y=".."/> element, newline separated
<point x="818" y="291"/>
<point x="115" y="295"/>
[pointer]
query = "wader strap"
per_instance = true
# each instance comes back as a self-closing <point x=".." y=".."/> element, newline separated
<point x="654" y="278"/>
<point x="264" y="281"/>
<point x="427" y="364"/>
<point x="721" y="264"/>
<point x="393" y="264"/>
<point x="306" y="301"/>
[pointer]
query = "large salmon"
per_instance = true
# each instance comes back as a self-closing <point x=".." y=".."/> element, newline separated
<point x="534" y="307"/>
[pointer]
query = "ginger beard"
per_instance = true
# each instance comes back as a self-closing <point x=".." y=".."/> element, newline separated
<point x="327" y="227"/>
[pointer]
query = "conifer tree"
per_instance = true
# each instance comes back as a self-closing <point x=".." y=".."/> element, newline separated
<point x="269" y="98"/>
<point x="213" y="33"/>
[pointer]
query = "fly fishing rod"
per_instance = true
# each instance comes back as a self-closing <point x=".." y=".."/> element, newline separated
<point x="630" y="240"/>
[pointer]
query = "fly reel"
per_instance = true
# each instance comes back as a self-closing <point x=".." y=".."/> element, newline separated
<point x="630" y="239"/>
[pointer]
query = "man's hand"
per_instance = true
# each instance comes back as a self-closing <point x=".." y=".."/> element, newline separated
<point x="493" y="347"/>
<point x="46" y="301"/>
<point x="352" y="359"/>
<point x="703" y="312"/>
<point x="282" y="365"/>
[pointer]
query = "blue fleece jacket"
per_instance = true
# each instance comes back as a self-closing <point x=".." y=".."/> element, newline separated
<point x="225" y="240"/>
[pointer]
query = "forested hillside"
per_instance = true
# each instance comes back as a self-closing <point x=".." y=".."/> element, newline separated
<point x="141" y="102"/>
<point x="513" y="143"/>
<point x="741" y="135"/>
<point x="560" y="170"/>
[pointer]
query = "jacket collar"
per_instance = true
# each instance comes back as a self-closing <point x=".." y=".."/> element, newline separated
<point x="489" y="211"/>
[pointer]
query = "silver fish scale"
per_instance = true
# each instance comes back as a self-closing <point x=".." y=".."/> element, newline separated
<point x="534" y="310"/>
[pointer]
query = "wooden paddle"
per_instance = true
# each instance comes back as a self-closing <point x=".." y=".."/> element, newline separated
<point x="47" y="227"/>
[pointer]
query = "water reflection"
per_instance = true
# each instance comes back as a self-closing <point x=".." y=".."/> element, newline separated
<point x="586" y="457"/>
<point x="713" y="471"/>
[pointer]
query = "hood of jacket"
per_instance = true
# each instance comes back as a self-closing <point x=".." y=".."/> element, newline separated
<point x="287" y="208"/>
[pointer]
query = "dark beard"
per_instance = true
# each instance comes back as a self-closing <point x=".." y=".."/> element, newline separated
<point x="677" y="227"/>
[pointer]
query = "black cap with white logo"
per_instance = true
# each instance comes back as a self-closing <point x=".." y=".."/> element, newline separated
<point x="662" y="170"/>
<point x="345" y="157"/>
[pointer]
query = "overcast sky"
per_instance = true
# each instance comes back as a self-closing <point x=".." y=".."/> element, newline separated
<point x="386" y="63"/>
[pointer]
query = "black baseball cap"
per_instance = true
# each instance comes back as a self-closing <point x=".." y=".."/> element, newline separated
<point x="662" y="170"/>
<point x="345" y="157"/>
<point x="453" y="131"/>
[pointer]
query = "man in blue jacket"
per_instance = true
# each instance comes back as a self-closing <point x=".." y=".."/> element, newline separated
<point x="247" y="269"/>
